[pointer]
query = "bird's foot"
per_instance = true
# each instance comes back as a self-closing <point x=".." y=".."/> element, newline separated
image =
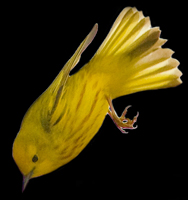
<point x="122" y="122"/>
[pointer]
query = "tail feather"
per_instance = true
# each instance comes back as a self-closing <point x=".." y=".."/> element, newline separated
<point x="131" y="58"/>
<point x="125" y="28"/>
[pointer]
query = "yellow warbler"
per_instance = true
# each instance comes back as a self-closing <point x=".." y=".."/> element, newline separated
<point x="63" y="120"/>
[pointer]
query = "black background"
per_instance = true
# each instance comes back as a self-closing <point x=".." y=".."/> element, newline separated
<point x="149" y="162"/>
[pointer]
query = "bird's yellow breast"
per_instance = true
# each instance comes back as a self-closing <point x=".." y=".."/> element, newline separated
<point x="83" y="110"/>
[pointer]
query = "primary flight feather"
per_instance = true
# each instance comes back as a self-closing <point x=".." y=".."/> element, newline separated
<point x="62" y="121"/>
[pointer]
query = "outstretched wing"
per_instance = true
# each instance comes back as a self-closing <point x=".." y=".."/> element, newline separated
<point x="54" y="93"/>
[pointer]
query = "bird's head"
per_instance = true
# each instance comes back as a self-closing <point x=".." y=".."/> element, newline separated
<point x="32" y="156"/>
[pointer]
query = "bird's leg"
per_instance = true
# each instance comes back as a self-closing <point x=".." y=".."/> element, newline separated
<point x="121" y="122"/>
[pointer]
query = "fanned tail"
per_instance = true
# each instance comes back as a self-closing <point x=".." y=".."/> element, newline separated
<point x="131" y="58"/>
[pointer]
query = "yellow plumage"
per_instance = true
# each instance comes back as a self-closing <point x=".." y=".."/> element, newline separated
<point x="63" y="120"/>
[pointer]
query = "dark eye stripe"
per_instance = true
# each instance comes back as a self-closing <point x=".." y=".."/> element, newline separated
<point x="35" y="158"/>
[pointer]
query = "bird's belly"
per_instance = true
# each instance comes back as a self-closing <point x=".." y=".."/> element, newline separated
<point x="85" y="114"/>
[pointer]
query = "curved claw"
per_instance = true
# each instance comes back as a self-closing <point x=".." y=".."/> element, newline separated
<point x="135" y="117"/>
<point x="124" y="113"/>
<point x="122" y="130"/>
<point x="135" y="127"/>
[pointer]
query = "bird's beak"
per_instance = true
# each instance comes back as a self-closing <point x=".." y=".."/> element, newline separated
<point x="26" y="179"/>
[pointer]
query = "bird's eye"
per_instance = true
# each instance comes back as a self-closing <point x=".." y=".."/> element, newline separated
<point x="35" y="158"/>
